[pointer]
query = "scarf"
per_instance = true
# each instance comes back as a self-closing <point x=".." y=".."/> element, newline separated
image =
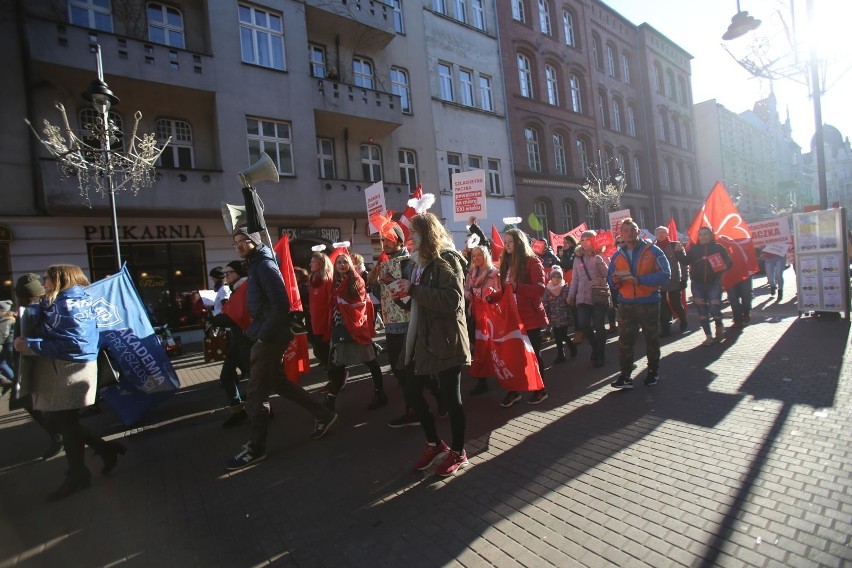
<point x="555" y="289"/>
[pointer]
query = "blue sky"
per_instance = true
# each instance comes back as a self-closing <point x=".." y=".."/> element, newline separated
<point x="697" y="26"/>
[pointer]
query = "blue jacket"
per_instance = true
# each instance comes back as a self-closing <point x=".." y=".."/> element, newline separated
<point x="650" y="268"/>
<point x="267" y="299"/>
<point x="67" y="328"/>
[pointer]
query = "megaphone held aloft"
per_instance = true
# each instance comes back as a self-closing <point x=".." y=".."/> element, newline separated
<point x="262" y="170"/>
<point x="233" y="215"/>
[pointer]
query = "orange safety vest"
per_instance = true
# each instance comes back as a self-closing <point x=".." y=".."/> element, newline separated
<point x="647" y="264"/>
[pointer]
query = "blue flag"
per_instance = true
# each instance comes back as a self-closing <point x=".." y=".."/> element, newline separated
<point x="146" y="377"/>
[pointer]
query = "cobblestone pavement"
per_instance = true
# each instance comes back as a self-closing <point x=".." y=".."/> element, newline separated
<point x="740" y="456"/>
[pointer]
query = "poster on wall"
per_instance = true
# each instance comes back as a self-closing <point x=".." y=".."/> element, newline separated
<point x="469" y="195"/>
<point x="375" y="196"/>
<point x="822" y="267"/>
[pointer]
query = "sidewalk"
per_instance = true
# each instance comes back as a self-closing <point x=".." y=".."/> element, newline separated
<point x="740" y="456"/>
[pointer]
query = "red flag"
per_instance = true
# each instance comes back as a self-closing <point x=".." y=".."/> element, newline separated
<point x="502" y="347"/>
<point x="721" y="215"/>
<point x="673" y="236"/>
<point x="496" y="244"/>
<point x="539" y="246"/>
<point x="296" y="358"/>
<point x="405" y="220"/>
<point x="236" y="307"/>
<point x="672" y="227"/>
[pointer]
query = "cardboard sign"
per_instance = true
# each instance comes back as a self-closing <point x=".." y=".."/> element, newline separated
<point x="603" y="239"/>
<point x="770" y="231"/>
<point x="717" y="263"/>
<point x="616" y="217"/>
<point x="375" y="196"/>
<point x="469" y="195"/>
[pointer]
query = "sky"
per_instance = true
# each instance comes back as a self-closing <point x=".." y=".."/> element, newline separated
<point x="697" y="27"/>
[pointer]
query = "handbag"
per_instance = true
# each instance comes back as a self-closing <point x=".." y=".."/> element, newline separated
<point x="600" y="294"/>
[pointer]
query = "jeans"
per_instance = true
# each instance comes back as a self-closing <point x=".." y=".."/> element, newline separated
<point x="267" y="376"/>
<point x="775" y="271"/>
<point x="630" y="318"/>
<point x="591" y="319"/>
<point x="740" y="297"/>
<point x="238" y="357"/>
<point x="667" y="307"/>
<point x="707" y="297"/>
<point x="449" y="381"/>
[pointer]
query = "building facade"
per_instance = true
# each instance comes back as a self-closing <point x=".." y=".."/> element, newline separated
<point x="340" y="94"/>
<point x="838" y="170"/>
<point x="583" y="101"/>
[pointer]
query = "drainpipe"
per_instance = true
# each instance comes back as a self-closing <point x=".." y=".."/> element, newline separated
<point x="39" y="203"/>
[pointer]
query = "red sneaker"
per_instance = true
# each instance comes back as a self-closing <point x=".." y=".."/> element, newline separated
<point x="431" y="455"/>
<point x="451" y="463"/>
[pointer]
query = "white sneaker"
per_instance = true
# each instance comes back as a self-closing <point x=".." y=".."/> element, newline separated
<point x="709" y="340"/>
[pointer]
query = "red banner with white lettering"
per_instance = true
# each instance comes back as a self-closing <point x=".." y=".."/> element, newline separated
<point x="502" y="348"/>
<point x="720" y="214"/>
<point x="297" y="360"/>
<point x="557" y="241"/>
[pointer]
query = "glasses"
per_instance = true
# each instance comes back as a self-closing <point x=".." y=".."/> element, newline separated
<point x="228" y="272"/>
<point x="239" y="243"/>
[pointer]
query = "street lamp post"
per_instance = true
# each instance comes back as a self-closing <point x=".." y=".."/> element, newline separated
<point x="91" y="159"/>
<point x="602" y="190"/>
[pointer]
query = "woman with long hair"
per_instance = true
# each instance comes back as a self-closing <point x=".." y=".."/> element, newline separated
<point x="437" y="342"/>
<point x="353" y="326"/>
<point x="63" y="346"/>
<point x="521" y="269"/>
<point x="320" y="282"/>
<point x="590" y="270"/>
<point x="482" y="283"/>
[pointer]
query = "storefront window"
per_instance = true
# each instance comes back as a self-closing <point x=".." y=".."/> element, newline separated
<point x="167" y="276"/>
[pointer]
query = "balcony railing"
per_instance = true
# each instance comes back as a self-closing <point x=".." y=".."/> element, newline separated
<point x="332" y="14"/>
<point x="345" y="99"/>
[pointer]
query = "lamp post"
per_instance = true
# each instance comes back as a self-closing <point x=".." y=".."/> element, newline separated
<point x="92" y="160"/>
<point x="602" y="190"/>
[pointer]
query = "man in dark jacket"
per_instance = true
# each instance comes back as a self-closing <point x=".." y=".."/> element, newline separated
<point x="270" y="330"/>
<point x="670" y="301"/>
<point x="707" y="260"/>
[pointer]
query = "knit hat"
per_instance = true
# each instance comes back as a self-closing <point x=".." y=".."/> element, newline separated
<point x="237" y="266"/>
<point x="5" y="306"/>
<point x="556" y="269"/>
<point x="29" y="286"/>
<point x="218" y="273"/>
<point x="253" y="237"/>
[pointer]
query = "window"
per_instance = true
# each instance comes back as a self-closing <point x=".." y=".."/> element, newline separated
<point x="92" y="14"/>
<point x="525" y="76"/>
<point x="275" y="139"/>
<point x="165" y="25"/>
<point x="597" y="54"/>
<point x="690" y="179"/>
<point x="362" y="72"/>
<point x="681" y="178"/>
<point x="559" y="154"/>
<point x="657" y="77"/>
<point x="540" y="212"/>
<point x="576" y="97"/>
<point x="533" y="151"/>
<point x="684" y="99"/>
<point x="687" y="135"/>
<point x="602" y="109"/>
<point x="440" y="6"/>
<point x="398" y="26"/>
<point x="317" y="60"/>
<point x="591" y="216"/>
<point x="89" y="117"/>
<point x="478" y="14"/>
<point x="544" y="17"/>
<point x="670" y="179"/>
<point x="453" y="165"/>
<point x="552" y="85"/>
<point x="643" y="218"/>
<point x="624" y="164"/>
<point x="494" y="177"/>
<point x="461" y="11"/>
<point x="583" y="155"/>
<point x="616" y="115"/>
<point x="325" y="158"/>
<point x="445" y="79"/>
<point x="408" y="169"/>
<point x="635" y="171"/>
<point x="400" y="86"/>
<point x="677" y="131"/>
<point x="371" y="162"/>
<point x="569" y="216"/>
<point x="485" y="93"/>
<point x="518" y="11"/>
<point x="625" y="68"/>
<point x="261" y="37"/>
<point x="568" y="27"/>
<point x="474" y="163"/>
<point x="631" y="121"/>
<point x="671" y="92"/>
<point x="466" y="87"/>
<point x="610" y="61"/>
<point x="178" y="154"/>
<point x="664" y="126"/>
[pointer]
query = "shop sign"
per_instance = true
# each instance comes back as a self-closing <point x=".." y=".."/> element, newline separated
<point x="331" y="234"/>
<point x="143" y="232"/>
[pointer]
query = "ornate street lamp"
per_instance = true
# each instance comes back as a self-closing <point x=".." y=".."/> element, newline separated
<point x="601" y="190"/>
<point x="92" y="159"/>
<point x="741" y="24"/>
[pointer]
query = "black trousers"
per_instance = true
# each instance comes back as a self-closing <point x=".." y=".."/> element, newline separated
<point x="449" y="381"/>
<point x="76" y="437"/>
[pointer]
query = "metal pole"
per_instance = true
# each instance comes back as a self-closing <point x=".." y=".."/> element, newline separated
<point x="819" y="147"/>
<point x="105" y="147"/>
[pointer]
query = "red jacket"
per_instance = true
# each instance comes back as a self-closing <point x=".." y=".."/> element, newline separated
<point x="358" y="313"/>
<point x="320" y="307"/>
<point x="529" y="294"/>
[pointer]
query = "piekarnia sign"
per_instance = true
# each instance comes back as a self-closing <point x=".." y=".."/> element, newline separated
<point x="143" y="232"/>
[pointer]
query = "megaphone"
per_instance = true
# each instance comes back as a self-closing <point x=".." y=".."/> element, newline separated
<point x="233" y="215"/>
<point x="262" y="170"/>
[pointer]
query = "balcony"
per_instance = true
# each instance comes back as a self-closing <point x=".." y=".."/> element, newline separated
<point x="186" y="193"/>
<point x="370" y="19"/>
<point x="338" y="103"/>
<point x="62" y="44"/>
<point x="345" y="197"/>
